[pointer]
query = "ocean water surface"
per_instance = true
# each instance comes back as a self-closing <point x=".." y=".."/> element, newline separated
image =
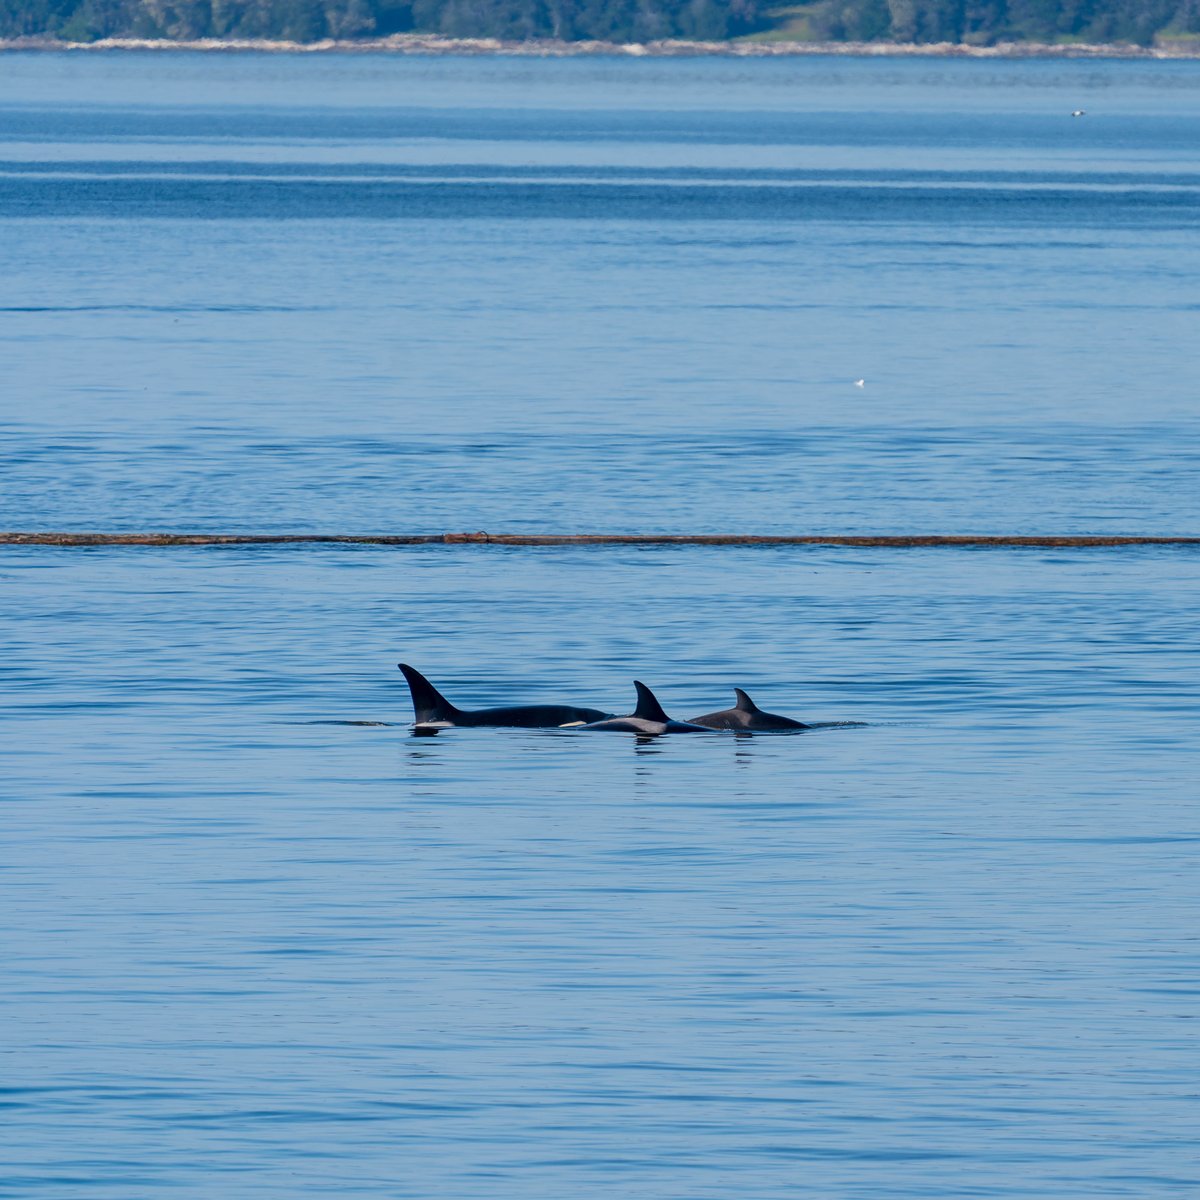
<point x="362" y="293"/>
<point x="251" y="949"/>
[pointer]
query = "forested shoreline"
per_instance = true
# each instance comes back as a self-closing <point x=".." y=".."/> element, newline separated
<point x="978" y="23"/>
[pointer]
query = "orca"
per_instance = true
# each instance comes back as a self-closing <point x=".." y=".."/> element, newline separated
<point x="647" y="720"/>
<point x="433" y="711"/>
<point x="746" y="715"/>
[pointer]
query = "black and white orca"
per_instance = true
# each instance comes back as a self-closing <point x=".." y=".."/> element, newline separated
<point x="647" y="720"/>
<point x="432" y="711"/>
<point x="747" y="716"/>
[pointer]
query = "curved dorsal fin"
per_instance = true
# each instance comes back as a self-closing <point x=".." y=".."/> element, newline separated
<point x="648" y="707"/>
<point x="744" y="703"/>
<point x="428" y="703"/>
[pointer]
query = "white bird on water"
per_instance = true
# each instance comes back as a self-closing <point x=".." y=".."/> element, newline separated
<point x="1080" y="112"/>
<point x="860" y="383"/>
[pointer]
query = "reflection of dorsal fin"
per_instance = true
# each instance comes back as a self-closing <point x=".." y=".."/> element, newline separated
<point x="744" y="703"/>
<point x="648" y="707"/>
<point x="429" y="704"/>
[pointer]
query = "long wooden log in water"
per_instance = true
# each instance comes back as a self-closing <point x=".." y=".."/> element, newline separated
<point x="868" y="541"/>
<point x="214" y="539"/>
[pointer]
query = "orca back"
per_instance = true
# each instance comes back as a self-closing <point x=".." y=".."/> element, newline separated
<point x="746" y="716"/>
<point x="432" y="710"/>
<point x="647" y="720"/>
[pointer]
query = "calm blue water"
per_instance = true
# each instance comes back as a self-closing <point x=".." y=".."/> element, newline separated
<point x="949" y="952"/>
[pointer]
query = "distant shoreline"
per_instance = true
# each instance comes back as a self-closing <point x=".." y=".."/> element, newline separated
<point x="433" y="44"/>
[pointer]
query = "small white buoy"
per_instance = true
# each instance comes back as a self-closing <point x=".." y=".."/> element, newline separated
<point x="1079" y="112"/>
<point x="860" y="383"/>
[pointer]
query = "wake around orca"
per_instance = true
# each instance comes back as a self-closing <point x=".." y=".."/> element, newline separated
<point x="432" y="712"/>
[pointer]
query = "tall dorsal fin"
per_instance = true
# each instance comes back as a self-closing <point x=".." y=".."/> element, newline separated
<point x="744" y="703"/>
<point x="428" y="703"/>
<point x="648" y="707"/>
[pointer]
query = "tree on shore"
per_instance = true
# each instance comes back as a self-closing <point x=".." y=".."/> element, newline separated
<point x="979" y="22"/>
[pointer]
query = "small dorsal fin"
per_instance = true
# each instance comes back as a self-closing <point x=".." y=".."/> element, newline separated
<point x="648" y="707"/>
<point x="744" y="703"/>
<point x="429" y="705"/>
